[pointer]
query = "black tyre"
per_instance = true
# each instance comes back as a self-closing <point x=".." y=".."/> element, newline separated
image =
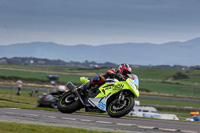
<point x="116" y="109"/>
<point x="68" y="103"/>
<point x="40" y="105"/>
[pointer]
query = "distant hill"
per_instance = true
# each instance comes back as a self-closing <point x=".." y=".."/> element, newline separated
<point x="172" y="53"/>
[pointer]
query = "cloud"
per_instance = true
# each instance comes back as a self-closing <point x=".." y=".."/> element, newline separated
<point x="100" y="20"/>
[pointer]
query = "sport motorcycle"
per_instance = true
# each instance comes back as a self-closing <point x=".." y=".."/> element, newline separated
<point x="114" y="97"/>
<point x="48" y="100"/>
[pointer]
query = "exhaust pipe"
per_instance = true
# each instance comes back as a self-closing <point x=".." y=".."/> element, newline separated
<point x="73" y="89"/>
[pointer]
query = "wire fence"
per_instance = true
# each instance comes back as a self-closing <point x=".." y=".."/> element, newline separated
<point x="7" y="92"/>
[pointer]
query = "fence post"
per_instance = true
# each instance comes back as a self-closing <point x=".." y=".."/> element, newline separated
<point x="11" y="92"/>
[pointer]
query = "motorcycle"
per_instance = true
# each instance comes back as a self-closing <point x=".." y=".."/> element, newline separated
<point x="48" y="100"/>
<point x="114" y="97"/>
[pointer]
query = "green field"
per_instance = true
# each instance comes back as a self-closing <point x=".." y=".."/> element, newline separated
<point x="10" y="99"/>
<point x="175" y="89"/>
<point x="175" y="82"/>
<point x="56" y="68"/>
<point x="35" y="76"/>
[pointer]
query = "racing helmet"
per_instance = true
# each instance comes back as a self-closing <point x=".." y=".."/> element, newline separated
<point x="125" y="69"/>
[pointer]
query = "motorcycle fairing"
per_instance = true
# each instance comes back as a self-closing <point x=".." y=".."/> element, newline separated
<point x="109" y="88"/>
<point x="84" y="80"/>
<point x="133" y="86"/>
<point x="99" y="102"/>
<point x="112" y="88"/>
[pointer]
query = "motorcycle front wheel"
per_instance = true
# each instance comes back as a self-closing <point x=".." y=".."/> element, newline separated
<point x="68" y="103"/>
<point x="118" y="109"/>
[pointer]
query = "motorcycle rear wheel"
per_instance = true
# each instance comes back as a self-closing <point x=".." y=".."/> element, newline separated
<point x="116" y="109"/>
<point x="68" y="103"/>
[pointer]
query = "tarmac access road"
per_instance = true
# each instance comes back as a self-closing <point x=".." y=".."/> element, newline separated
<point x="97" y="122"/>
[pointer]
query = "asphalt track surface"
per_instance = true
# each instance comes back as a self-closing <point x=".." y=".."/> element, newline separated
<point x="97" y="122"/>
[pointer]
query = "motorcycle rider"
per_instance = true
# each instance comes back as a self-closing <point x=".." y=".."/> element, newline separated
<point x="119" y="74"/>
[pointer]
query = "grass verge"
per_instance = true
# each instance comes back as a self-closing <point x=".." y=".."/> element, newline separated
<point x="12" y="127"/>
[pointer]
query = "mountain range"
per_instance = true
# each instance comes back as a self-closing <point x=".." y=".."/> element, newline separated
<point x="172" y="53"/>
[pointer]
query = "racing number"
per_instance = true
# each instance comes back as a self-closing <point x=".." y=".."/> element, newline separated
<point x="101" y="105"/>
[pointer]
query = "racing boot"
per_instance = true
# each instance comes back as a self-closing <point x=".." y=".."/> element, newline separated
<point x="84" y="88"/>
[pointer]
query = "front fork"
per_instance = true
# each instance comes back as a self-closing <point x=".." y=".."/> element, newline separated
<point x="121" y="97"/>
<point x="79" y="97"/>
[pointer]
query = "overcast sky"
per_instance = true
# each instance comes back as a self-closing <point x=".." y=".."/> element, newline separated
<point x="97" y="22"/>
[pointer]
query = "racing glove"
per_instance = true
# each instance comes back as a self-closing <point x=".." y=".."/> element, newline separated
<point x="119" y="77"/>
